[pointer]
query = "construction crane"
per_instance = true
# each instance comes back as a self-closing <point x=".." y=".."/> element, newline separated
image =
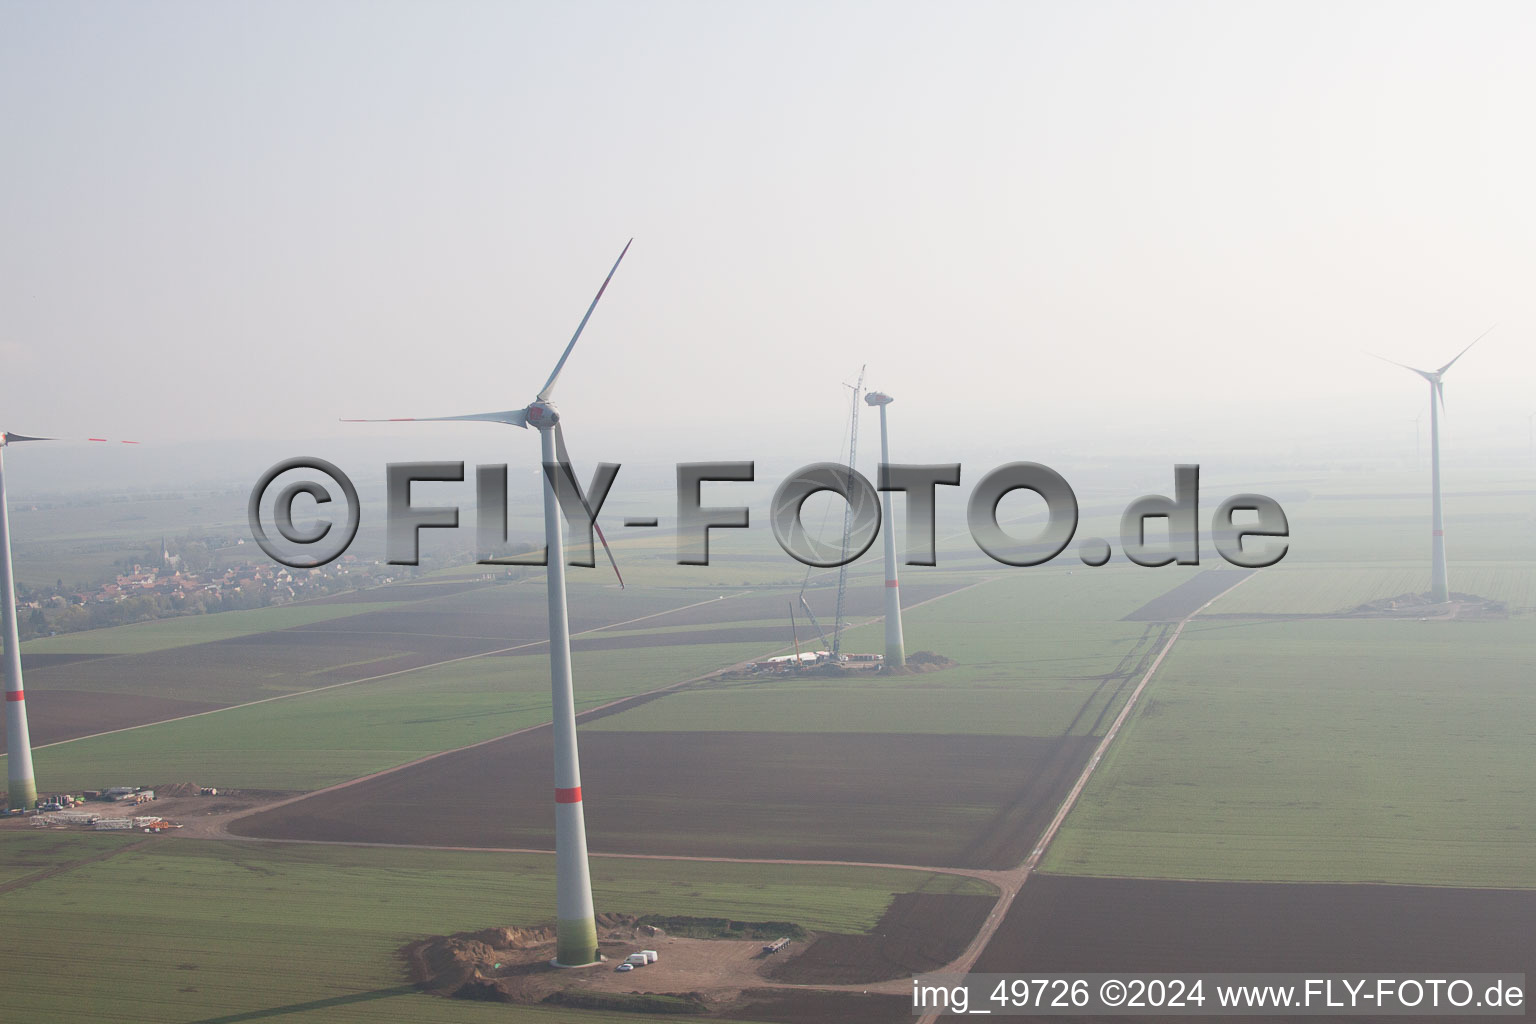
<point x="807" y="606"/>
<point x="795" y="635"/>
<point x="842" y="570"/>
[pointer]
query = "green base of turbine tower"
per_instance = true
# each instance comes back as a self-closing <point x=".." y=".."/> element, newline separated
<point x="23" y="794"/>
<point x="576" y="942"/>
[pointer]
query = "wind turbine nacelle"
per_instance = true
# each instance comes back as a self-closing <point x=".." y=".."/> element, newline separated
<point x="542" y="415"/>
<point x="878" y="398"/>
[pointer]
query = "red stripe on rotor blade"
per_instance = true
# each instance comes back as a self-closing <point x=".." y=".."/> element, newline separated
<point x="14" y="695"/>
<point x="568" y="796"/>
<point x="1439" y="533"/>
<point x="892" y="583"/>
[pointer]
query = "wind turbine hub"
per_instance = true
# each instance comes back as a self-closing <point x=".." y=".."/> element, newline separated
<point x="543" y="416"/>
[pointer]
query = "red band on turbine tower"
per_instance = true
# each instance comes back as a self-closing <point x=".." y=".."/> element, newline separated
<point x="1439" y="533"/>
<point x="892" y="583"/>
<point x="14" y="695"/>
<point x="568" y="796"/>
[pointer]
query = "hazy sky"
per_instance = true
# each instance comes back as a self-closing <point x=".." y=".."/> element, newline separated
<point x="1062" y="227"/>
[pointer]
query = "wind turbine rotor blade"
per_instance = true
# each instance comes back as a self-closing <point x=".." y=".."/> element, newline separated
<point x="599" y="531"/>
<point x="1427" y="375"/>
<point x="565" y="461"/>
<point x="1463" y="352"/>
<point x="1440" y="394"/>
<point x="549" y="385"/>
<point x="10" y="438"/>
<point x="512" y="417"/>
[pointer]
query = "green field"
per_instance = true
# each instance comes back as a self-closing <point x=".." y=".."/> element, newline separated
<point x="908" y="704"/>
<point x="317" y="739"/>
<point x="1323" y="590"/>
<point x="185" y="930"/>
<point x="1322" y="750"/>
<point x="23" y="854"/>
<point x="1482" y="526"/>
<point x="1031" y="647"/>
<point x="186" y="630"/>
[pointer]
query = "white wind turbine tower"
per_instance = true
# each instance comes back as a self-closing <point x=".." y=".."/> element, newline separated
<point x="575" y="923"/>
<point x="895" y="653"/>
<point x="1439" y="590"/>
<point x="22" y="784"/>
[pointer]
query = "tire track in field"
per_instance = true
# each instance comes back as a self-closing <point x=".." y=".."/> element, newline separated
<point x="47" y="873"/>
<point x="1054" y="776"/>
<point x="1125" y="670"/>
<point x="1147" y="652"/>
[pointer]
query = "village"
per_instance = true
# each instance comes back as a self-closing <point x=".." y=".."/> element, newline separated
<point x="172" y="587"/>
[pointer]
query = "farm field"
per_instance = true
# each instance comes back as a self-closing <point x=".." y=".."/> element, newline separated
<point x="806" y="796"/>
<point x="919" y="932"/>
<point x="166" y="634"/>
<point x="1125" y="924"/>
<point x="792" y="792"/>
<point x="113" y="679"/>
<point x="1322" y="750"/>
<point x="215" y="923"/>
<point x="1058" y="696"/>
<point x="1028" y="665"/>
<point x="25" y="855"/>
<point x="336" y="734"/>
<point x="254" y="666"/>
<point x="1239" y="743"/>
<point x="1487" y="522"/>
<point x="1326" y="590"/>
<point x="316" y="739"/>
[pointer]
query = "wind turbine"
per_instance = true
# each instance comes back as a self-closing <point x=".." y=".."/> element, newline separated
<point x="22" y="785"/>
<point x="575" y="923"/>
<point x="895" y="654"/>
<point x="1439" y="592"/>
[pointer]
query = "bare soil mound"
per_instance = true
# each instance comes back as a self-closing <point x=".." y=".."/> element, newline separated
<point x="457" y="965"/>
<point x="512" y="965"/>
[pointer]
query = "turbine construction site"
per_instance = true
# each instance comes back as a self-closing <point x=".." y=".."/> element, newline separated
<point x="775" y="811"/>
